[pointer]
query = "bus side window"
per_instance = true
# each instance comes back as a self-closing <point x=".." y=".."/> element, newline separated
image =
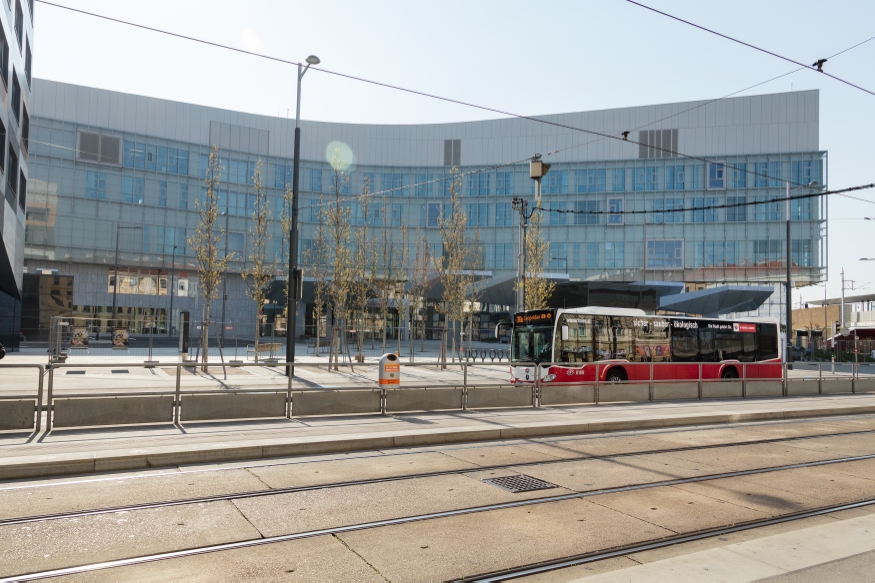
<point x="749" y="342"/>
<point x="684" y="345"/>
<point x="768" y="335"/>
<point x="707" y="350"/>
<point x="624" y="334"/>
<point x="729" y="345"/>
<point x="601" y="339"/>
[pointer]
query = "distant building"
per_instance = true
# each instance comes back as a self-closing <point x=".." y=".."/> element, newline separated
<point x="16" y="66"/>
<point x="110" y="165"/>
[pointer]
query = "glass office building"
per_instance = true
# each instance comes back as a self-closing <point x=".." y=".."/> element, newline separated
<point x="16" y="65"/>
<point x="111" y="167"/>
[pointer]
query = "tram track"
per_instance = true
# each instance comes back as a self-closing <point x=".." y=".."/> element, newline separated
<point x="508" y="573"/>
<point x="407" y="476"/>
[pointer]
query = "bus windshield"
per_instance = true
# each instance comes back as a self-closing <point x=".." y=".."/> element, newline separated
<point x="532" y="343"/>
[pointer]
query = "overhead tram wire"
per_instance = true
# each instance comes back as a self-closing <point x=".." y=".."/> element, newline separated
<point x="741" y="42"/>
<point x="413" y="91"/>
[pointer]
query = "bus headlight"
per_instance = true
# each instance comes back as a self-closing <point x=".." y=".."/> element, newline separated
<point x="549" y="377"/>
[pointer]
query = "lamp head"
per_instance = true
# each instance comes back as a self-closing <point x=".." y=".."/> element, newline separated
<point x="313" y="60"/>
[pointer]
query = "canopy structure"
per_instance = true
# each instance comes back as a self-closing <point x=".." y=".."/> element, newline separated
<point x="717" y="301"/>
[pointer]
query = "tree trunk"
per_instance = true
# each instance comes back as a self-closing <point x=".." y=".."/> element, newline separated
<point x="257" y="322"/>
<point x="453" y="357"/>
<point x="205" y="335"/>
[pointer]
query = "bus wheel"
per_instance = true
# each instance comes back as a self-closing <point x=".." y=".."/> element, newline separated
<point x="729" y="373"/>
<point x="616" y="375"/>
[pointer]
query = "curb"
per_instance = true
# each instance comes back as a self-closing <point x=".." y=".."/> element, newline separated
<point x="42" y="466"/>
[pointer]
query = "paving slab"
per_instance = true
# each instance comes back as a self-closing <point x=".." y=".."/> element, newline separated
<point x="614" y="445"/>
<point x="840" y="445"/>
<point x="734" y="458"/>
<point x="321" y="558"/>
<point x="598" y="474"/>
<point x="501" y="455"/>
<point x="38" y="500"/>
<point x="55" y="544"/>
<point x="341" y="506"/>
<point x="677" y="510"/>
<point x="322" y="472"/>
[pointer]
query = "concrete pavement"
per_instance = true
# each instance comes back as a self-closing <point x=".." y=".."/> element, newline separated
<point x="81" y="451"/>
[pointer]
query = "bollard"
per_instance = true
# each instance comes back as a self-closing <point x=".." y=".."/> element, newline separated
<point x="482" y="355"/>
<point x="492" y="354"/>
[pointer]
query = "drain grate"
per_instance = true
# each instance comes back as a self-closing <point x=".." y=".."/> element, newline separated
<point x="75" y="372"/>
<point x="119" y="371"/>
<point x="519" y="483"/>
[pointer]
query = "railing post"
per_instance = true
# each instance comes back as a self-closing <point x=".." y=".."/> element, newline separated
<point x="465" y="387"/>
<point x="177" y="397"/>
<point x="49" y="397"/>
<point x="786" y="388"/>
<point x="819" y="378"/>
<point x="289" y="397"/>
<point x="700" y="381"/>
<point x="39" y="399"/>
<point x="537" y="386"/>
<point x="854" y="376"/>
<point x="596" y="392"/>
<point x="650" y="387"/>
<point x="744" y="380"/>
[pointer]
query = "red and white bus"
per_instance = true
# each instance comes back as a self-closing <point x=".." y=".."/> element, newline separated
<point x="622" y="343"/>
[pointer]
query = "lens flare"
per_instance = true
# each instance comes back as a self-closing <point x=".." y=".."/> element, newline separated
<point x="340" y="156"/>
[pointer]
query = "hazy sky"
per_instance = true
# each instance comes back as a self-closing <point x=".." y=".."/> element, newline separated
<point x="524" y="57"/>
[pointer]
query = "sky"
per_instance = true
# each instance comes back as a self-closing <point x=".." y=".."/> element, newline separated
<point x="522" y="57"/>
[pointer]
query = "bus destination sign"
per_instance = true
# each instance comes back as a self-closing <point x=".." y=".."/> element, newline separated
<point x="535" y="317"/>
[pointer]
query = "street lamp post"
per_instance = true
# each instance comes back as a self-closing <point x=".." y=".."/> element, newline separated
<point x="170" y="313"/>
<point x="225" y="277"/>
<point x="115" y="279"/>
<point x="789" y="285"/>
<point x="294" y="275"/>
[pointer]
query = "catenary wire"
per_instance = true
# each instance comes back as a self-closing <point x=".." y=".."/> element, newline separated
<point x="741" y="42"/>
<point x="668" y="151"/>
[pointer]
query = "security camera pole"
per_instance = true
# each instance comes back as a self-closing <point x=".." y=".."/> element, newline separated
<point x="537" y="170"/>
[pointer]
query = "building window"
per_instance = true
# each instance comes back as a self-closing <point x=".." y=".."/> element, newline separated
<point x="591" y="180"/>
<point x="4" y="58"/>
<point x="504" y="183"/>
<point x="768" y="252"/>
<point x="183" y="196"/>
<point x="665" y="254"/>
<point x="638" y="179"/>
<point x="558" y="214"/>
<point x="801" y="252"/>
<point x="162" y="193"/>
<point x="12" y="171"/>
<point x="16" y="97"/>
<point x="555" y="182"/>
<point x="703" y="211"/>
<point x="28" y="63"/>
<point x="95" y="185"/>
<point x="2" y="142"/>
<point x="433" y="215"/>
<point x="477" y="214"/>
<point x="133" y="189"/>
<point x="315" y="180"/>
<point x="775" y="175"/>
<point x="716" y="175"/>
<point x="800" y="209"/>
<point x="393" y="184"/>
<point x="480" y="184"/>
<point x="615" y="254"/>
<point x="236" y="246"/>
<point x="615" y="211"/>
<point x="586" y="255"/>
<point x="397" y="215"/>
<point x="282" y="175"/>
<point x="761" y="178"/>
<point x="452" y="152"/>
<point x="22" y="192"/>
<point x="499" y="256"/>
<point x="667" y="210"/>
<point x="674" y="178"/>
<point x="768" y="211"/>
<point x="618" y="182"/>
<point x="739" y="175"/>
<point x="19" y="22"/>
<point x="503" y="214"/>
<point x="558" y="256"/>
<point x="587" y="212"/>
<point x="804" y="172"/>
<point x="651" y="178"/>
<point x="736" y="214"/>
<point x="25" y="129"/>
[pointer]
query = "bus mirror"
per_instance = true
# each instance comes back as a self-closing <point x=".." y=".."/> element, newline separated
<point x="564" y="332"/>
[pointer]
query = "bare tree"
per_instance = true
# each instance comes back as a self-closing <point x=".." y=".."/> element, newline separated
<point x="317" y="258"/>
<point x="363" y="266"/>
<point x="206" y="244"/>
<point x="538" y="288"/>
<point x="452" y="263"/>
<point x="419" y="271"/>
<point x="339" y="239"/>
<point x="262" y="270"/>
<point x="286" y="225"/>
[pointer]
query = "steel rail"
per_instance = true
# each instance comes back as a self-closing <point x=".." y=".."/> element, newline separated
<point x="536" y="568"/>
<point x="450" y="513"/>
<point x="327" y="485"/>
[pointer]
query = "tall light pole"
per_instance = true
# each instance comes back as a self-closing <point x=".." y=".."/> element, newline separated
<point x="115" y="279"/>
<point x="225" y="277"/>
<point x="537" y="170"/>
<point x="294" y="274"/>
<point x="789" y="285"/>
<point x="170" y="314"/>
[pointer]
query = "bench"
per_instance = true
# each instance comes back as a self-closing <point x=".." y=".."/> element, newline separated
<point x="269" y="348"/>
<point x="323" y="343"/>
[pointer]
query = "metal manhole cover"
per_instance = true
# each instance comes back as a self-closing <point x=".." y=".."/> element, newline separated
<point x="519" y="483"/>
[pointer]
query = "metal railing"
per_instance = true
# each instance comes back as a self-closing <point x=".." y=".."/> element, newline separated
<point x="463" y="392"/>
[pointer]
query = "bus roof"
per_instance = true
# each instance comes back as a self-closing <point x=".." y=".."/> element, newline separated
<point x="605" y="311"/>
